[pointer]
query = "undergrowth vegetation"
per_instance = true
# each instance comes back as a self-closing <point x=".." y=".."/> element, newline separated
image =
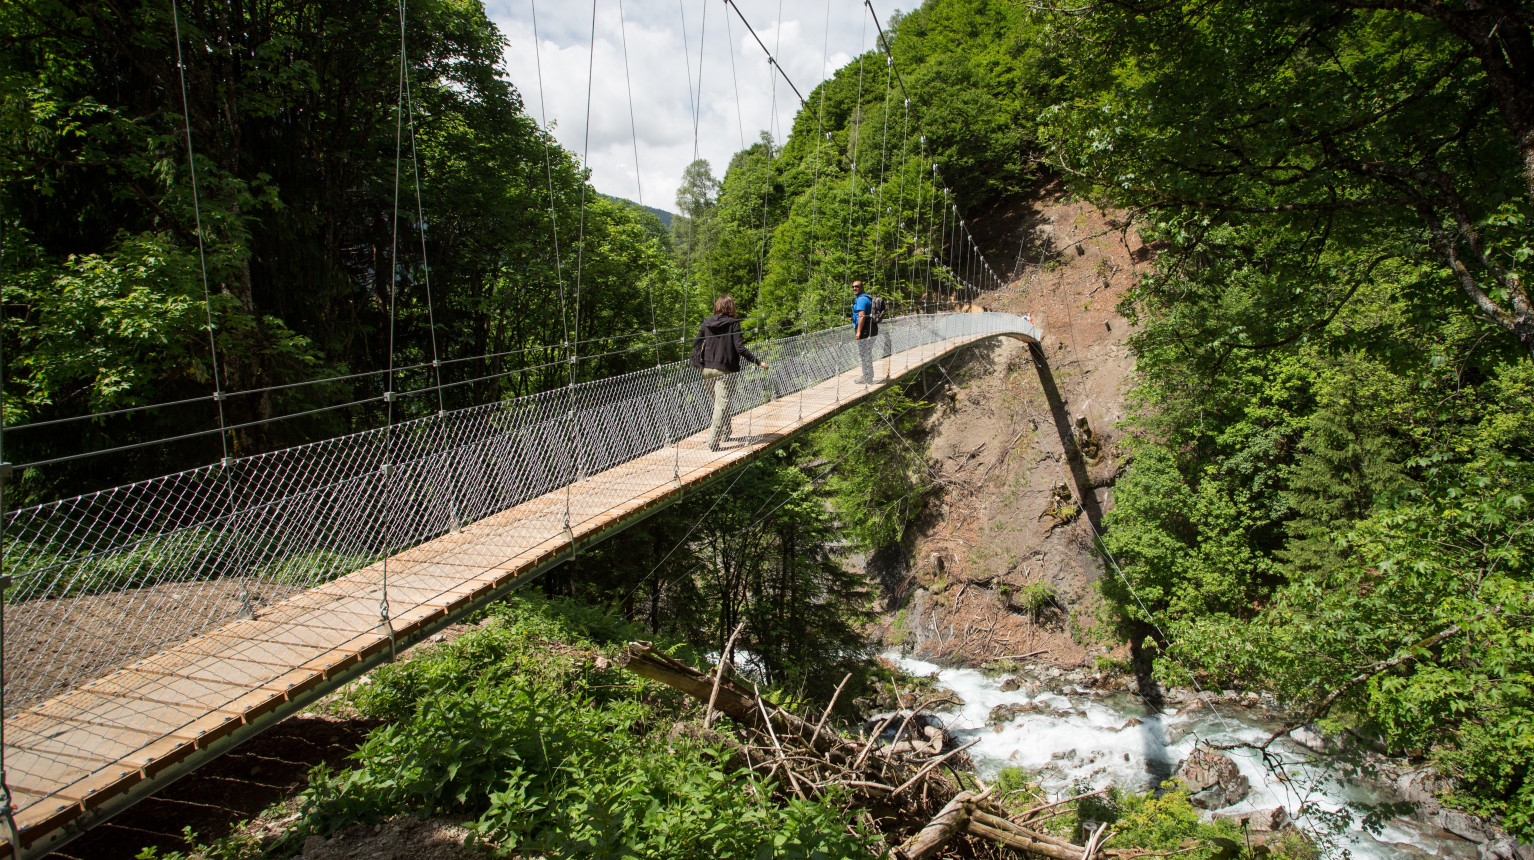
<point x="1162" y="823"/>
<point x="520" y="728"/>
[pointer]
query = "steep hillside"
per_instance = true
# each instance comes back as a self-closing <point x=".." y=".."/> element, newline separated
<point x="1001" y="563"/>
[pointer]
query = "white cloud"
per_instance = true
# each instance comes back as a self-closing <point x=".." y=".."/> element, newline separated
<point x="738" y="102"/>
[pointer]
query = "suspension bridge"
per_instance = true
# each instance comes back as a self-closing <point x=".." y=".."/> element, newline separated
<point x="150" y="627"/>
<point x="147" y="628"/>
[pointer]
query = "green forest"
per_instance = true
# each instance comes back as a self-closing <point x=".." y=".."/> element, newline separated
<point x="1332" y="424"/>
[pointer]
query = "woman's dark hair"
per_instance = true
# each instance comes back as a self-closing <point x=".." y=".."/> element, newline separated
<point x="725" y="306"/>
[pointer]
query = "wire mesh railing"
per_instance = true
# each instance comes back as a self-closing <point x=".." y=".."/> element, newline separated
<point x="108" y="578"/>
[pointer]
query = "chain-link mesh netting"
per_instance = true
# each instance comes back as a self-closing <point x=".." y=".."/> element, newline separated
<point x="221" y="582"/>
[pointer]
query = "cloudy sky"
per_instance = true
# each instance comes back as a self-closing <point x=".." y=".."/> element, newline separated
<point x="667" y="40"/>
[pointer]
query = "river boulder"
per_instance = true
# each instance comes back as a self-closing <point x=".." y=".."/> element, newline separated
<point x="1213" y="780"/>
<point x="1006" y="713"/>
<point x="1258" y="820"/>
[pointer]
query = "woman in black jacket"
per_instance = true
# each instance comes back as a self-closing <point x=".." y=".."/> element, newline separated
<point x="718" y="349"/>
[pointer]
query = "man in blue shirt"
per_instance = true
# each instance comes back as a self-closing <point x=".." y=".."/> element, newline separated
<point x="863" y="330"/>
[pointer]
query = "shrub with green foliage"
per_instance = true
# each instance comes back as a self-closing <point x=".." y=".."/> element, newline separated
<point x="514" y="727"/>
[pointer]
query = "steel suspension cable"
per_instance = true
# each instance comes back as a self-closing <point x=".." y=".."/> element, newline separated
<point x="757" y="517"/>
<point x="420" y="216"/>
<point x="574" y="463"/>
<point x="931" y="251"/>
<point x="385" y="514"/>
<point x="580" y="241"/>
<point x="853" y="148"/>
<point x="884" y="40"/>
<point x="905" y="158"/>
<point x="694" y="99"/>
<point x="740" y="122"/>
<point x="559" y="276"/>
<point x="942" y="235"/>
<point x="772" y="116"/>
<point x="879" y="207"/>
<point x="12" y="835"/>
<point x="628" y="85"/>
<point x="820" y="118"/>
<point x="202" y="256"/>
<point x="772" y="60"/>
<point x="917" y="284"/>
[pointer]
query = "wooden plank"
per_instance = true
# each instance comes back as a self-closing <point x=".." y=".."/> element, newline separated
<point x="47" y="774"/>
<point x="68" y="739"/>
<point x="154" y="717"/>
<point x="43" y="817"/>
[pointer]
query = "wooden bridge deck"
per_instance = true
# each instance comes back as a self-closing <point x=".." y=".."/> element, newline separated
<point x="80" y="757"/>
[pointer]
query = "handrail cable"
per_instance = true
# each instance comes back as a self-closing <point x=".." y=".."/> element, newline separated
<point x="395" y="394"/>
<point x="324" y="380"/>
<point x="757" y="517"/>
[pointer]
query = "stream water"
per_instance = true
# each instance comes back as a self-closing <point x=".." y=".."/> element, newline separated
<point x="1078" y="737"/>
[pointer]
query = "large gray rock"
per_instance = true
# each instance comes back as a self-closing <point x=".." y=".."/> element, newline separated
<point x="1500" y="849"/>
<point x="1464" y="825"/>
<point x="1213" y="780"/>
<point x="1311" y="739"/>
<point x="1009" y="711"/>
<point x="1421" y="787"/>
<point x="1259" y="820"/>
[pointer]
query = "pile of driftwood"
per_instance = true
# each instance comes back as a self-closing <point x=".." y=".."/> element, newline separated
<point x="900" y="788"/>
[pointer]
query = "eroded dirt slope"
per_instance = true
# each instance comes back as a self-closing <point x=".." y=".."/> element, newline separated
<point x="1001" y="564"/>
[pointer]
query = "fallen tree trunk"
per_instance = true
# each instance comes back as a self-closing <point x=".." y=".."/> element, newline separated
<point x="1019" y="842"/>
<point x="1002" y="823"/>
<point x="642" y="659"/>
<point x="948" y="823"/>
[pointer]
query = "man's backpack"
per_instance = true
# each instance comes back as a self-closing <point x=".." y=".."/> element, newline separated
<point x="876" y="313"/>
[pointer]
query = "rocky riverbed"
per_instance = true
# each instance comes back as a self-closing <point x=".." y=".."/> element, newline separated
<point x="1075" y="728"/>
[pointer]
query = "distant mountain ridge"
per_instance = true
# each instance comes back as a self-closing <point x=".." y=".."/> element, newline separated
<point x="663" y="215"/>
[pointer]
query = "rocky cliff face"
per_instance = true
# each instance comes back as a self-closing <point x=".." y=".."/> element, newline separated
<point x="1025" y="447"/>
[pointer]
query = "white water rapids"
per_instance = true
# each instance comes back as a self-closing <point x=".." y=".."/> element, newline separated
<point x="1091" y="739"/>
